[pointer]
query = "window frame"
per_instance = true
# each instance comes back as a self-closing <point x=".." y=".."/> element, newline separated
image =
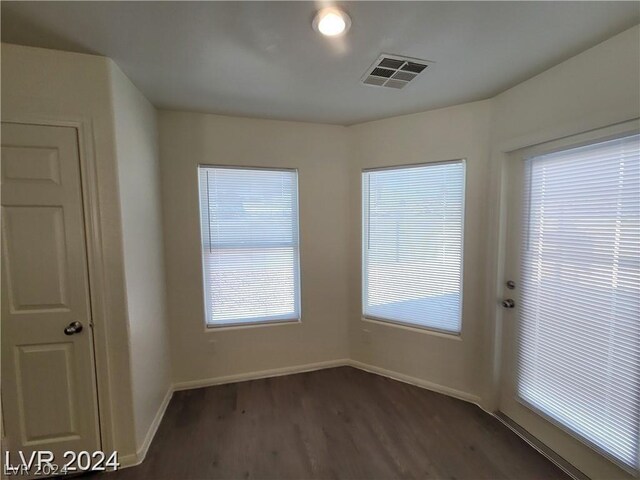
<point x="455" y="335"/>
<point x="525" y="154"/>
<point x="251" y="323"/>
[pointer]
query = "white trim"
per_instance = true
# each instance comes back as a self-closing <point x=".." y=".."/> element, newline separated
<point x="153" y="428"/>
<point x="497" y="225"/>
<point x="345" y="362"/>
<point x="364" y="240"/>
<point x="257" y="321"/>
<point x="540" y="447"/>
<point x="97" y="271"/>
<point x="222" y="325"/>
<point x="560" y="131"/>
<point x="611" y="132"/>
<point x="137" y="458"/>
<point x="275" y="372"/>
<point x="551" y="139"/>
<point x="127" y="461"/>
<point x="414" y="328"/>
<point x="237" y="326"/>
<point x="418" y="382"/>
<point x="404" y="166"/>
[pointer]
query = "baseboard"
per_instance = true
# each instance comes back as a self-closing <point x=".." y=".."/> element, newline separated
<point x="275" y="372"/>
<point x="418" y="382"/>
<point x="126" y="461"/>
<point x="137" y="458"/>
<point x="309" y="367"/>
<point x="545" y="451"/>
<point x="153" y="428"/>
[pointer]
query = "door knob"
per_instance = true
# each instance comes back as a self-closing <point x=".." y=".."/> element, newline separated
<point x="73" y="327"/>
<point x="508" y="303"/>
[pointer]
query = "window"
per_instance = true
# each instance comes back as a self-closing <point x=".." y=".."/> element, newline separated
<point x="412" y="245"/>
<point x="579" y="348"/>
<point x="250" y="250"/>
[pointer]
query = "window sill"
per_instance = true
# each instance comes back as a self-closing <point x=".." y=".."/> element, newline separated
<point x="414" y="328"/>
<point x="253" y="324"/>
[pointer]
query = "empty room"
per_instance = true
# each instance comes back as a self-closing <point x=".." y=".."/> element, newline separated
<point x="361" y="240"/>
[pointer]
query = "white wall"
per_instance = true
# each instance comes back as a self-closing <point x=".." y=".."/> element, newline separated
<point x="595" y="89"/>
<point x="447" y="361"/>
<point x="320" y="153"/>
<point x="568" y="96"/>
<point x="572" y="97"/>
<point x="41" y="85"/>
<point x="329" y="160"/>
<point x="138" y="164"/>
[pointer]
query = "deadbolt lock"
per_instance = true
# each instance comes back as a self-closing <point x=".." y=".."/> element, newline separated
<point x="508" y="303"/>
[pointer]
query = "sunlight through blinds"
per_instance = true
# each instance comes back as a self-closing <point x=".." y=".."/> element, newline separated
<point x="579" y="340"/>
<point x="249" y="224"/>
<point x="412" y="245"/>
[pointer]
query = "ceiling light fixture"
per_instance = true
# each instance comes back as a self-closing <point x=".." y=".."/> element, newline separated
<point x="331" y="22"/>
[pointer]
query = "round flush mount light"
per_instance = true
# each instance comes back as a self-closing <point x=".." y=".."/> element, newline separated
<point x="331" y="22"/>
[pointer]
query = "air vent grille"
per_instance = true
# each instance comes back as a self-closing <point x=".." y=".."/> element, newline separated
<point x="394" y="71"/>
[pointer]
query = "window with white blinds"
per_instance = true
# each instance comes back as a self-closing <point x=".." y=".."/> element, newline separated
<point x="579" y="334"/>
<point x="250" y="251"/>
<point x="412" y="245"/>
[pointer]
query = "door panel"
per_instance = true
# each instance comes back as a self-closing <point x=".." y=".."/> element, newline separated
<point x="44" y="375"/>
<point x="48" y="377"/>
<point x="30" y="164"/>
<point x="561" y="222"/>
<point x="31" y="286"/>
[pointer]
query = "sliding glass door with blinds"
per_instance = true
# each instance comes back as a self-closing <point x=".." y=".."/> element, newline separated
<point x="577" y="339"/>
<point x="412" y="245"/>
<point x="250" y="249"/>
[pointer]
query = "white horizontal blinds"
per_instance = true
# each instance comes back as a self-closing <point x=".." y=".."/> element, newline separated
<point x="579" y="352"/>
<point x="413" y="221"/>
<point x="249" y="221"/>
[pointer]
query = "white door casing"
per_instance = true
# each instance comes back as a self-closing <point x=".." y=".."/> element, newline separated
<point x="583" y="457"/>
<point x="48" y="378"/>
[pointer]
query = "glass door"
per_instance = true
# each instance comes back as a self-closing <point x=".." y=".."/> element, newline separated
<point x="572" y="306"/>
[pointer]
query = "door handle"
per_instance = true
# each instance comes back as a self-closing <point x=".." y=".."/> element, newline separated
<point x="508" y="303"/>
<point x="72" y="328"/>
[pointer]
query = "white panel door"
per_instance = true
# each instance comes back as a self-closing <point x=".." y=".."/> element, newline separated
<point x="48" y="377"/>
<point x="570" y="339"/>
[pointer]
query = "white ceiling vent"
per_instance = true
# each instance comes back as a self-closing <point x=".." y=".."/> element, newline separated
<point x="394" y="71"/>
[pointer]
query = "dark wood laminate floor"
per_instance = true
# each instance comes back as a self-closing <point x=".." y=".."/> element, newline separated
<point x="336" y="423"/>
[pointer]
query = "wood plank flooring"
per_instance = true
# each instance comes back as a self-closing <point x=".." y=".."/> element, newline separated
<point x="339" y="423"/>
